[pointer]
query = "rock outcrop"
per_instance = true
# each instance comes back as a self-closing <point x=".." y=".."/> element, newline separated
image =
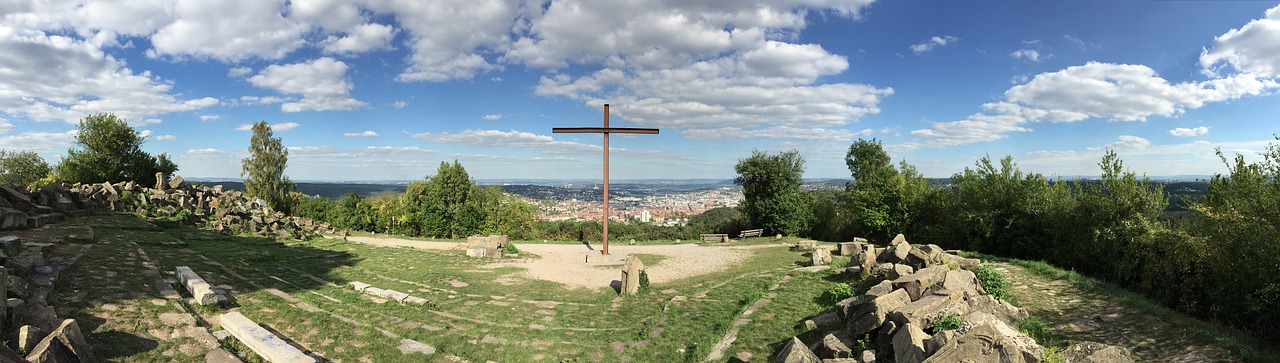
<point x="923" y="285"/>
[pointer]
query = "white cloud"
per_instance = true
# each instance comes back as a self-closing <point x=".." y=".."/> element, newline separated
<point x="1253" y="48"/>
<point x="5" y="126"/>
<point x="446" y="36"/>
<point x="778" y="132"/>
<point x="1125" y="143"/>
<point x="56" y="77"/>
<point x="399" y="104"/>
<point x="238" y="72"/>
<point x="494" y="116"/>
<point x="933" y="42"/>
<point x="1119" y="92"/>
<point x="395" y="150"/>
<point x="210" y="117"/>
<point x="230" y="30"/>
<point x="1028" y="54"/>
<point x="516" y="139"/>
<point x="165" y="138"/>
<point x="286" y="126"/>
<point x="362" y="38"/>
<point x="267" y="100"/>
<point x="39" y="141"/>
<point x="321" y="82"/>
<point x="211" y="153"/>
<point x="1188" y="132"/>
<point x="367" y="133"/>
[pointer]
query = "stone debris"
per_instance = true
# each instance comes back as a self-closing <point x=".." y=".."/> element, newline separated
<point x="269" y="346"/>
<point x="397" y="296"/>
<point x="920" y="288"/>
<point x="64" y="344"/>
<point x="200" y="290"/>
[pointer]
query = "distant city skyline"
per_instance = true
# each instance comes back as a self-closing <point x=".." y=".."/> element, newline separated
<point x="386" y="90"/>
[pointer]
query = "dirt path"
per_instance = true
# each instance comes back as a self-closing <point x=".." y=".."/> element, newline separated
<point x="1077" y="315"/>
<point x="572" y="265"/>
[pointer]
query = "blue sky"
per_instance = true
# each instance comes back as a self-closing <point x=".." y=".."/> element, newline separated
<point x="387" y="89"/>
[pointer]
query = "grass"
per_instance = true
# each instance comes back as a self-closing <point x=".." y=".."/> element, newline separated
<point x="1235" y="341"/>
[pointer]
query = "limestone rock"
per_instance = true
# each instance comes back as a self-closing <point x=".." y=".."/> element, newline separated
<point x="1032" y="351"/>
<point x="631" y="275"/>
<point x="908" y="344"/>
<point x="1009" y="314"/>
<point x="897" y="271"/>
<point x="795" y="352"/>
<point x="872" y="314"/>
<point x="917" y="283"/>
<point x="29" y="337"/>
<point x="982" y="344"/>
<point x="963" y="281"/>
<point x="1090" y="352"/>
<point x="64" y="344"/>
<point x="176" y="182"/>
<point x="821" y="257"/>
<point x="833" y="346"/>
<point x="928" y="309"/>
<point x="12" y="218"/>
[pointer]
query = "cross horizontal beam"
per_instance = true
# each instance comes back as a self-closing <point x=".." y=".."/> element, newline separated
<point x="603" y="130"/>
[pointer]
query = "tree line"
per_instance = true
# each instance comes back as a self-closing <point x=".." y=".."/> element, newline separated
<point x="1218" y="262"/>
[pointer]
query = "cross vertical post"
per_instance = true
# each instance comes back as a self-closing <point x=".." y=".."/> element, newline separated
<point x="606" y="130"/>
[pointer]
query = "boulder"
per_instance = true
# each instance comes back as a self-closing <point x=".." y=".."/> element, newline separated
<point x="176" y="182"/>
<point x="833" y="346"/>
<point x="64" y="344"/>
<point x="1032" y="351"/>
<point x="897" y="271"/>
<point x="1009" y="314"/>
<point x="938" y="340"/>
<point x="961" y="261"/>
<point x="872" y="314"/>
<point x="17" y="199"/>
<point x="795" y="352"/>
<point x="1090" y="352"/>
<point x="919" y="282"/>
<point x="160" y="184"/>
<point x="981" y="344"/>
<point x="29" y="337"/>
<point x="821" y="257"/>
<point x="805" y="245"/>
<point x="846" y="248"/>
<point x="926" y="310"/>
<point x="12" y="218"/>
<point x="631" y="275"/>
<point x="963" y="281"/>
<point x="908" y="344"/>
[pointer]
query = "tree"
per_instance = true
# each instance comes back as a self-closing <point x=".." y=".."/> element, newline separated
<point x="771" y="188"/>
<point x="111" y="151"/>
<point x="265" y="169"/>
<point x="22" y="168"/>
<point x="883" y="200"/>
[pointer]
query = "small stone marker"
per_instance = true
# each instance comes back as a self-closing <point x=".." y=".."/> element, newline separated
<point x="821" y="257"/>
<point x="261" y="341"/>
<point x="200" y="290"/>
<point x="631" y="275"/>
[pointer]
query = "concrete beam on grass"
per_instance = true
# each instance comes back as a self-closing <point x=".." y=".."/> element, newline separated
<point x="267" y="345"/>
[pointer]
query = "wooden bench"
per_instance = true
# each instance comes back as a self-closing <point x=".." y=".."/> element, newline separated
<point x="751" y="233"/>
<point x="718" y="237"/>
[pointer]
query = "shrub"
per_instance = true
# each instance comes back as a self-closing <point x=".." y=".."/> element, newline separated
<point x="840" y="292"/>
<point x="510" y="249"/>
<point x="1036" y="329"/>
<point x="993" y="282"/>
<point x="644" y="281"/>
<point x="948" y="322"/>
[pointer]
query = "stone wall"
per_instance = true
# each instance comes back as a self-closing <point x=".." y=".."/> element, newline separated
<point x="171" y="201"/>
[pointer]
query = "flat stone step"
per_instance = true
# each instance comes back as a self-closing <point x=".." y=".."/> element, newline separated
<point x="261" y="341"/>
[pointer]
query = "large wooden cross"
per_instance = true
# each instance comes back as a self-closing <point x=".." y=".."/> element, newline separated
<point x="606" y="130"/>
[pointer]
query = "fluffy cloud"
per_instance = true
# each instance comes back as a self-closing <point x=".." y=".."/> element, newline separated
<point x="778" y="132"/>
<point x="321" y="82"/>
<point x="55" y="77"/>
<point x="446" y="36"/>
<point x="1125" y="143"/>
<point x="286" y="126"/>
<point x="230" y="30"/>
<point x="933" y="42"/>
<point x="210" y="117"/>
<point x="1028" y="54"/>
<point x="39" y="141"/>
<point x="362" y="38"/>
<point x="166" y="138"/>
<point x="5" y="126"/>
<point x="1119" y="92"/>
<point x="516" y="139"/>
<point x="367" y="133"/>
<point x="1188" y="132"/>
<point x="1253" y="48"/>
<point x="494" y="116"/>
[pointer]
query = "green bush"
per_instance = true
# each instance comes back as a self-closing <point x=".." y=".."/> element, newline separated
<point x="840" y="292"/>
<point x="993" y="282"/>
<point x="948" y="322"/>
<point x="644" y="281"/>
<point x="1036" y="329"/>
<point x="510" y="249"/>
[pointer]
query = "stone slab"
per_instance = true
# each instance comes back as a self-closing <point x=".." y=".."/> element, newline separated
<point x="200" y="290"/>
<point x="267" y="345"/>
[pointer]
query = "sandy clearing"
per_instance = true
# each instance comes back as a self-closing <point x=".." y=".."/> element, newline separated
<point x="565" y="263"/>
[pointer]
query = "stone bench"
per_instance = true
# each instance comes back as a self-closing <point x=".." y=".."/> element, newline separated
<point x="751" y="233"/>
<point x="717" y="237"/>
<point x="267" y="345"/>
<point x="200" y="290"/>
